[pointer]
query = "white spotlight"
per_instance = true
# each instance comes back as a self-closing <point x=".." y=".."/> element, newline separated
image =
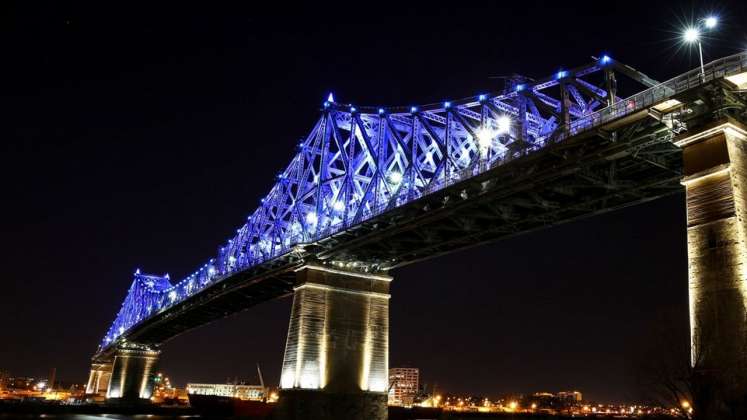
<point x="485" y="137"/>
<point x="504" y="124"/>
<point x="395" y="178"/>
<point x="691" y="35"/>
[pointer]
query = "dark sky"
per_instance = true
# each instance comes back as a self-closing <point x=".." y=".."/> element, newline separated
<point x="143" y="137"/>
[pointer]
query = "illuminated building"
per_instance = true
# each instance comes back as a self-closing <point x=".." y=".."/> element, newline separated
<point x="403" y="385"/>
<point x="573" y="396"/>
<point x="22" y="383"/>
<point x="163" y="390"/>
<point x="243" y="392"/>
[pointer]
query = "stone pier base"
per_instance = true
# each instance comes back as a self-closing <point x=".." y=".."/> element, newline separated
<point x="300" y="404"/>
<point x="98" y="380"/>
<point x="715" y="160"/>
<point x="337" y="354"/>
<point x="133" y="374"/>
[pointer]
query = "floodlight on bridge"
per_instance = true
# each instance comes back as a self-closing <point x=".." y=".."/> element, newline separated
<point x="487" y="134"/>
<point x="395" y="178"/>
<point x="485" y="138"/>
<point x="710" y="22"/>
<point x="691" y="35"/>
<point x="504" y="124"/>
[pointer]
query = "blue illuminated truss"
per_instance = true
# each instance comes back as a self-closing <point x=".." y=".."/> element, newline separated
<point x="358" y="162"/>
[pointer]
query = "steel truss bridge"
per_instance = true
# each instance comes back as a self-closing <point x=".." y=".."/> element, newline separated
<point x="371" y="189"/>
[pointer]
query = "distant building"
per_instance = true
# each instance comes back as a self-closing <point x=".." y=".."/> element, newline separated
<point x="403" y="386"/>
<point x="244" y="392"/>
<point x="3" y="379"/>
<point x="26" y="383"/>
<point x="571" y="396"/>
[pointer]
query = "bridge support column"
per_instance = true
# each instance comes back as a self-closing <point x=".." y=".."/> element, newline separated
<point x="337" y="354"/>
<point x="133" y="374"/>
<point x="98" y="380"/>
<point x="715" y="162"/>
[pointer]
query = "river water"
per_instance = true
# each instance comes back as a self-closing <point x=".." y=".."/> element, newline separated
<point x="94" y="416"/>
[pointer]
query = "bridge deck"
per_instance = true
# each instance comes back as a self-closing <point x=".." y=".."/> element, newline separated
<point x="620" y="156"/>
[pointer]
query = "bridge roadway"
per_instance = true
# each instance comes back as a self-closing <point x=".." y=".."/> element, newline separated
<point x="621" y="155"/>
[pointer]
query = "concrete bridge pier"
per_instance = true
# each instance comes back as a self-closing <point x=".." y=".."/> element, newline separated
<point x="98" y="380"/>
<point x="336" y="356"/>
<point x="132" y="374"/>
<point x="715" y="166"/>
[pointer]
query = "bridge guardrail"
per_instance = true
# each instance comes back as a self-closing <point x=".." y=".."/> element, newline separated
<point x="714" y="70"/>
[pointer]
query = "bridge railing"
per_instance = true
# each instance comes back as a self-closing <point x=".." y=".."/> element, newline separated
<point x="720" y="68"/>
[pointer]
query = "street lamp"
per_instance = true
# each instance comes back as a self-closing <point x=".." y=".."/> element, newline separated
<point x="692" y="34"/>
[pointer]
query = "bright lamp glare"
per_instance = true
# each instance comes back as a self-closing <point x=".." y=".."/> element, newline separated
<point x="711" y="22"/>
<point x="691" y="34"/>
<point x="504" y="124"/>
<point x="485" y="137"/>
<point x="395" y="178"/>
<point x="311" y="218"/>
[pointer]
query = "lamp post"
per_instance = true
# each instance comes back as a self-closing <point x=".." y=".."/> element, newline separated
<point x="692" y="34"/>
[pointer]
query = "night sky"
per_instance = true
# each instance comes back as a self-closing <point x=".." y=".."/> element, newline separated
<point x="142" y="138"/>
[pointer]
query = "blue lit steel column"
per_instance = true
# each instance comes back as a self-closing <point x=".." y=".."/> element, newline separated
<point x="715" y="162"/>
<point x="336" y="357"/>
<point x="133" y="373"/>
